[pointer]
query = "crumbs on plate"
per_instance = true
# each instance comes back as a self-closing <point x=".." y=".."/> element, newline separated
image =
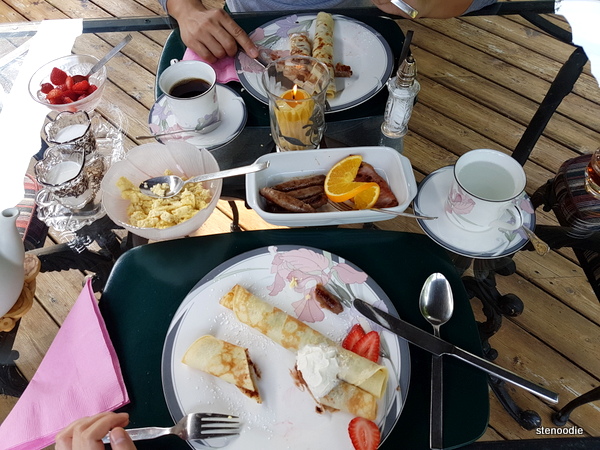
<point x="149" y="212"/>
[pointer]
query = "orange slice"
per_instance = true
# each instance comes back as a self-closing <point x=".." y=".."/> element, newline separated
<point x="367" y="198"/>
<point x="339" y="182"/>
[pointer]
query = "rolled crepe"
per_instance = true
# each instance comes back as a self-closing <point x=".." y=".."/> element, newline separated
<point x="323" y="47"/>
<point x="226" y="361"/>
<point x="300" y="44"/>
<point x="293" y="334"/>
<point x="349" y="398"/>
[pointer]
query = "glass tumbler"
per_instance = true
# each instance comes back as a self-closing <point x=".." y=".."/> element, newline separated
<point x="296" y="87"/>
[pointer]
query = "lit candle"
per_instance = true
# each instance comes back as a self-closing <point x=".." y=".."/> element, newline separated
<point x="293" y="114"/>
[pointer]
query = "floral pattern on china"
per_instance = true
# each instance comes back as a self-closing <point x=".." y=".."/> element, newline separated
<point x="458" y="205"/>
<point x="302" y="270"/>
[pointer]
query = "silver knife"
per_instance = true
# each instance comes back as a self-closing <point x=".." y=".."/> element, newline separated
<point x="440" y="347"/>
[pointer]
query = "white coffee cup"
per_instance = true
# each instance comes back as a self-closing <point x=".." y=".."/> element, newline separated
<point x="485" y="191"/>
<point x="191" y="91"/>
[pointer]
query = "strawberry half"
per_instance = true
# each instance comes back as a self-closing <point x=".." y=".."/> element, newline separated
<point x="368" y="346"/>
<point x="356" y="334"/>
<point x="364" y="434"/>
<point x="81" y="87"/>
<point x="58" y="76"/>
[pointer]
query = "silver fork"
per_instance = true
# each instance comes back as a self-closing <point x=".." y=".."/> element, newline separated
<point x="196" y="426"/>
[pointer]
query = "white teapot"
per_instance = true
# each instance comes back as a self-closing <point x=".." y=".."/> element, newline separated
<point x="12" y="255"/>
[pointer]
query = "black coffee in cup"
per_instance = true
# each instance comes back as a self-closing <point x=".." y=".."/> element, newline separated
<point x="190" y="87"/>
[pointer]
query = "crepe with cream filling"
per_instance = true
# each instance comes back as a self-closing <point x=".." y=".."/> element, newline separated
<point x="293" y="334"/>
<point x="226" y="361"/>
<point x="323" y="47"/>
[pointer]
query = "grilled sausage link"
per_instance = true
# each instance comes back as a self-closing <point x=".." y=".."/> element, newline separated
<point x="299" y="183"/>
<point x="286" y="201"/>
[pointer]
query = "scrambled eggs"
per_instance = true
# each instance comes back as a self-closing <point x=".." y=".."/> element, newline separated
<point x="149" y="212"/>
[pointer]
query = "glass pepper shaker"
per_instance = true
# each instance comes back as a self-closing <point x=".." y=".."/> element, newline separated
<point x="403" y="89"/>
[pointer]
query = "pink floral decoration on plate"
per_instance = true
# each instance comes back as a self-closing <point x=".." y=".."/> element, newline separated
<point x="302" y="269"/>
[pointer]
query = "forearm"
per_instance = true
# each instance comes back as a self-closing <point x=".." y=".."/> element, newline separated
<point x="176" y="8"/>
<point x="439" y="9"/>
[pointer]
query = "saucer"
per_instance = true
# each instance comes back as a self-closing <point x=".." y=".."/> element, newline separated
<point x="233" y="118"/>
<point x="493" y="243"/>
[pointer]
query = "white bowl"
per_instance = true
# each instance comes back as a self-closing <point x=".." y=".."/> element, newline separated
<point x="389" y="164"/>
<point x="151" y="160"/>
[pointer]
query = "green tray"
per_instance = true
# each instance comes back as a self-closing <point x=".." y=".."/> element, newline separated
<point x="148" y="283"/>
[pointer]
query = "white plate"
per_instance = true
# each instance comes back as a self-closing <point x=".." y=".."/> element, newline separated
<point x="391" y="165"/>
<point x="490" y="244"/>
<point x="355" y="44"/>
<point x="233" y="118"/>
<point x="287" y="417"/>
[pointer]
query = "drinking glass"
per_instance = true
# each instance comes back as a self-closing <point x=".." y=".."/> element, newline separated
<point x="296" y="87"/>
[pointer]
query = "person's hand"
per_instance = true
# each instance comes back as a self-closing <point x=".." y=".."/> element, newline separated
<point x="211" y="33"/>
<point x="87" y="433"/>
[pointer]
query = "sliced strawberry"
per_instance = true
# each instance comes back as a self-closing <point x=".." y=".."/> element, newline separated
<point x="82" y="96"/>
<point x="78" y="78"/>
<point x="364" y="434"/>
<point x="46" y="87"/>
<point x="67" y="100"/>
<point x="54" y="94"/>
<point x="356" y="334"/>
<point x="72" y="95"/>
<point x="58" y="76"/>
<point x="69" y="82"/>
<point x="92" y="89"/>
<point x="368" y="346"/>
<point x="81" y="87"/>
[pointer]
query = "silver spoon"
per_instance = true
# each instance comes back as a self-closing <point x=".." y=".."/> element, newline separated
<point x="110" y="54"/>
<point x="176" y="184"/>
<point x="200" y="129"/>
<point x="437" y="305"/>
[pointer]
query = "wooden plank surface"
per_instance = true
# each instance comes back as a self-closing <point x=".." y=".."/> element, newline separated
<point x="482" y="79"/>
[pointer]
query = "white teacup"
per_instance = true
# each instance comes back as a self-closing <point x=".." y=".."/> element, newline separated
<point x="484" y="192"/>
<point x="191" y="90"/>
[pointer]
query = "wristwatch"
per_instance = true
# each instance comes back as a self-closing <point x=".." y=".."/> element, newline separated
<point x="405" y="7"/>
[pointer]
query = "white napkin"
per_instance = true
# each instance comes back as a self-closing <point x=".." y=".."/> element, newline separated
<point x="584" y="17"/>
<point x="21" y="118"/>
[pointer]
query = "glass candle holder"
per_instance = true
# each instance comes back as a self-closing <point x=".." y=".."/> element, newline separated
<point x="296" y="87"/>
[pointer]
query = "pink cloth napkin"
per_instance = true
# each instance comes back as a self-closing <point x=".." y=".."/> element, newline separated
<point x="79" y="376"/>
<point x="225" y="68"/>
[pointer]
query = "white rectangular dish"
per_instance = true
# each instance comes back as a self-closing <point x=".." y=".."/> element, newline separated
<point x="395" y="168"/>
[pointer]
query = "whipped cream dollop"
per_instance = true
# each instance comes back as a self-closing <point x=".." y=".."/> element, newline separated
<point x="319" y="367"/>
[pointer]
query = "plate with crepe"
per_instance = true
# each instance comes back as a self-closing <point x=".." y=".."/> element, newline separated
<point x="276" y="286"/>
<point x="352" y="41"/>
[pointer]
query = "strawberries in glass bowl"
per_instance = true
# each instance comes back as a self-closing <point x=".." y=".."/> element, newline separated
<point x="62" y="84"/>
